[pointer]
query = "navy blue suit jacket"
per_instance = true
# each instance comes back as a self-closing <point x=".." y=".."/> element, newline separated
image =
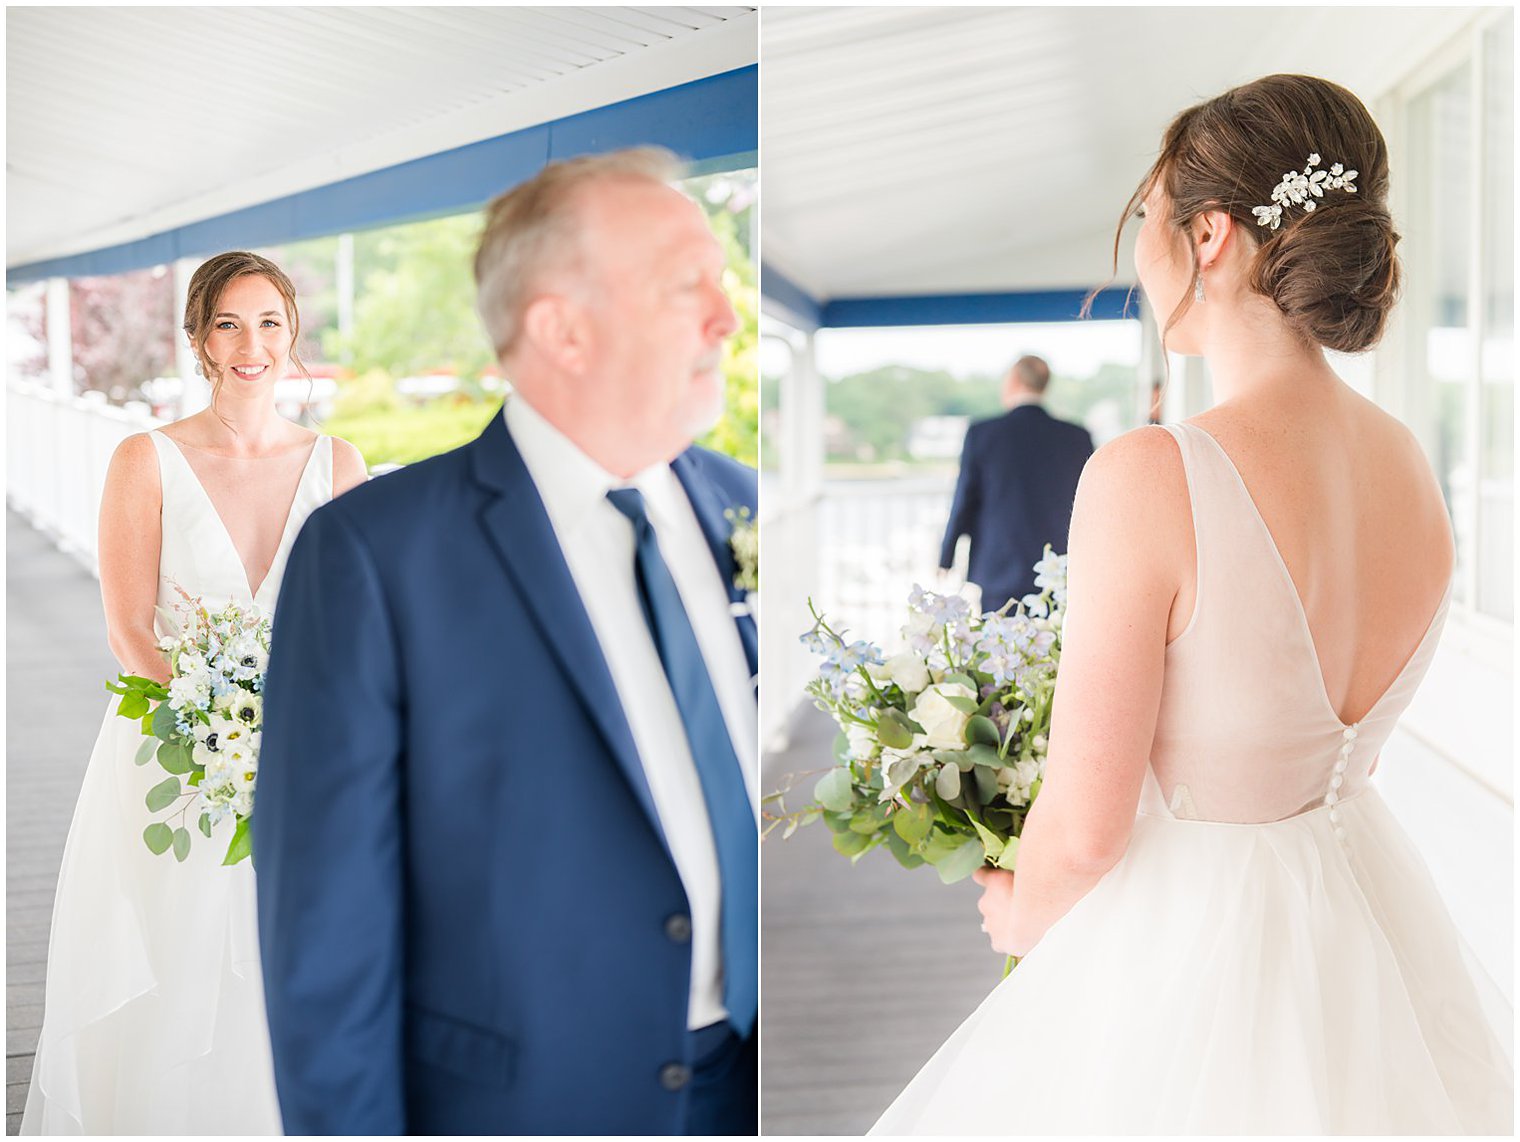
<point x="1017" y="483"/>
<point x="465" y="900"/>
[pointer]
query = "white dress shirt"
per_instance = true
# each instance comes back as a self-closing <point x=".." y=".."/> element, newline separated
<point x="599" y="546"/>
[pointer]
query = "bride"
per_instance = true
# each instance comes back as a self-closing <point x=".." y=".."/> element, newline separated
<point x="1223" y="929"/>
<point x="154" y="1017"/>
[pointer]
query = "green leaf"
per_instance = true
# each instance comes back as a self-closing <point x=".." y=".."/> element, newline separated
<point x="162" y="795"/>
<point x="145" y="751"/>
<point x="242" y="842"/>
<point x="985" y="755"/>
<point x="834" y="791"/>
<point x="174" y="757"/>
<point x="181" y="843"/>
<point x="1010" y="854"/>
<point x="991" y="842"/>
<point x="841" y="748"/>
<point x="851" y="844"/>
<point x="1034" y="788"/>
<point x="163" y="722"/>
<point x="913" y="823"/>
<point x="892" y="729"/>
<point x="986" y="782"/>
<point x="964" y="679"/>
<point x="948" y="783"/>
<point x="158" y="836"/>
<point x="905" y="855"/>
<point x="961" y="862"/>
<point x="963" y="704"/>
<point x="982" y="731"/>
<point x="133" y="705"/>
<point x="205" y="824"/>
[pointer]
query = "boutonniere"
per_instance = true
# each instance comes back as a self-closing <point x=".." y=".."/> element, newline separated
<point x="744" y="543"/>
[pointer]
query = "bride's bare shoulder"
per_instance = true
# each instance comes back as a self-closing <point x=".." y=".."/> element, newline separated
<point x="349" y="468"/>
<point x="1133" y="497"/>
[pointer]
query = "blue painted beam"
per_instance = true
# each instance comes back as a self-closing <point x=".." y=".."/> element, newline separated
<point x="977" y="308"/>
<point x="799" y="307"/>
<point x="713" y="123"/>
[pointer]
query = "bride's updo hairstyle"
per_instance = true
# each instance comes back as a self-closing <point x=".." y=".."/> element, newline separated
<point x="1332" y="270"/>
<point x="205" y="293"/>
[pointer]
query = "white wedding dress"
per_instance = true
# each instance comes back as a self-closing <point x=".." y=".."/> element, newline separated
<point x="154" y="1009"/>
<point x="1270" y="955"/>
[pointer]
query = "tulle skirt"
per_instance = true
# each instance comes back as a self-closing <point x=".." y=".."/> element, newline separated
<point x="154" y="1010"/>
<point x="1237" y="979"/>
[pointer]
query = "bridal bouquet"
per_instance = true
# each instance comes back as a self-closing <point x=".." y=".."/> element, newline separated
<point x="204" y="726"/>
<point x="942" y="745"/>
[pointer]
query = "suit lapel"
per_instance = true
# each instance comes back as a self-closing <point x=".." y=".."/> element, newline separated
<point x="709" y="509"/>
<point x="519" y="529"/>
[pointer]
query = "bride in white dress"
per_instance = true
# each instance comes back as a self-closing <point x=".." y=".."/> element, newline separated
<point x="154" y="1012"/>
<point x="1224" y="930"/>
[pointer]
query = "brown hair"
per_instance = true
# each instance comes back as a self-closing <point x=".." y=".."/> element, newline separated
<point x="205" y="293"/>
<point x="535" y="222"/>
<point x="1331" y="271"/>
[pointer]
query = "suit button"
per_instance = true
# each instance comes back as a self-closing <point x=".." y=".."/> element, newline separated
<point x="674" y="1076"/>
<point x="678" y="928"/>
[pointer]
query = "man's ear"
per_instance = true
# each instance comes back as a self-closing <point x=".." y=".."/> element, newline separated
<point x="1212" y="232"/>
<point x="555" y="326"/>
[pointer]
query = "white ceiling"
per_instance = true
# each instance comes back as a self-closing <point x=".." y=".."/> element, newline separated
<point x="915" y="151"/>
<point x="125" y="122"/>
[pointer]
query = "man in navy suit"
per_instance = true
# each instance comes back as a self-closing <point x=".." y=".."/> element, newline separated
<point x="1017" y="482"/>
<point x="506" y="835"/>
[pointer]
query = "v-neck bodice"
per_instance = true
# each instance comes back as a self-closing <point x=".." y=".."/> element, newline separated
<point x="1246" y="730"/>
<point x="197" y="552"/>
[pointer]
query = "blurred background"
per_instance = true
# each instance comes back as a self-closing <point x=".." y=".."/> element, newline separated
<point x="355" y="147"/>
<point x="942" y="187"/>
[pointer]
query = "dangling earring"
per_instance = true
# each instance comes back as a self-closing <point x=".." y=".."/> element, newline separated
<point x="1198" y="285"/>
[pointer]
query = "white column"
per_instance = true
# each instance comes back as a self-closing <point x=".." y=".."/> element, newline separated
<point x="196" y="393"/>
<point x="60" y="338"/>
<point x="345" y="290"/>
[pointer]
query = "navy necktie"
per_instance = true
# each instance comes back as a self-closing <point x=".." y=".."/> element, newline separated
<point x="728" y="804"/>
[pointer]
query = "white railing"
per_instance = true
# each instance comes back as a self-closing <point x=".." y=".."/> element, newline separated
<point x="57" y="452"/>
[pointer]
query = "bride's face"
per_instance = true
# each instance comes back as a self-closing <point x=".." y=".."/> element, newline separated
<point x="249" y="340"/>
<point x="1164" y="268"/>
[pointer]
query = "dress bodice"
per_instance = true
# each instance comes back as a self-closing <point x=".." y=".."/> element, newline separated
<point x="1246" y="730"/>
<point x="196" y="550"/>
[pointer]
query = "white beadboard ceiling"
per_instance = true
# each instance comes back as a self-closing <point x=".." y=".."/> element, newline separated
<point x="909" y="151"/>
<point x="124" y="122"/>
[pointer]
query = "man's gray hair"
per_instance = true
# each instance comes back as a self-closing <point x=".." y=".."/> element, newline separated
<point x="534" y="226"/>
<point x="1033" y="373"/>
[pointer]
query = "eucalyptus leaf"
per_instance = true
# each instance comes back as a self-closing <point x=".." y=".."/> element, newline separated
<point x="986" y="782"/>
<point x="833" y="790"/>
<point x="181" y="843"/>
<point x="905" y="855"/>
<point x="892" y="730"/>
<point x="174" y="757"/>
<point x="164" y="727"/>
<point x="913" y="824"/>
<point x="980" y="754"/>
<point x="841" y="749"/>
<point x="948" y="783"/>
<point x="982" y="730"/>
<point x="162" y="795"/>
<point x="205" y="824"/>
<point x="158" y="837"/>
<point x="242" y="842"/>
<point x="960" y="702"/>
<point x="961" y="862"/>
<point x="851" y="844"/>
<point x="145" y="751"/>
<point x="964" y="679"/>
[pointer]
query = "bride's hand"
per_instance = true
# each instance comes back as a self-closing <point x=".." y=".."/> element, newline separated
<point x="996" y="906"/>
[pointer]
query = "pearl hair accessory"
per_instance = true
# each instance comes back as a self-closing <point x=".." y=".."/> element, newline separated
<point x="1301" y="188"/>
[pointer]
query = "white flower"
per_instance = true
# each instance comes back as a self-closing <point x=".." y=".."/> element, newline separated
<point x="908" y="670"/>
<point x="863" y="743"/>
<point x="246" y="709"/>
<point x="190" y="692"/>
<point x="898" y="766"/>
<point x="944" y="725"/>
